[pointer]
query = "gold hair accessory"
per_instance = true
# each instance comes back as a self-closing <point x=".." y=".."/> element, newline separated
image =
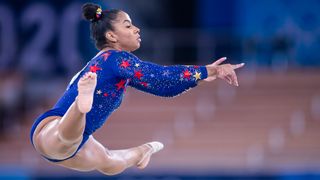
<point x="98" y="13"/>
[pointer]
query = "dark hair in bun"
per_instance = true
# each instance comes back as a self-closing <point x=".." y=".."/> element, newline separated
<point x="100" y="22"/>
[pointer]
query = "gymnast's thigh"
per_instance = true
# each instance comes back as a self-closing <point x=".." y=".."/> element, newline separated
<point x="47" y="142"/>
<point x="92" y="155"/>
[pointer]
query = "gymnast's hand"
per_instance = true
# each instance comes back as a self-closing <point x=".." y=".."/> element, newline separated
<point x="223" y="71"/>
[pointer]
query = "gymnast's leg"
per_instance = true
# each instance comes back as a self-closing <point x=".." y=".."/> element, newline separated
<point x="94" y="156"/>
<point x="72" y="123"/>
<point x="60" y="138"/>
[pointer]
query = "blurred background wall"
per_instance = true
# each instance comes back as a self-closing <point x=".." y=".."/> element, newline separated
<point x="269" y="127"/>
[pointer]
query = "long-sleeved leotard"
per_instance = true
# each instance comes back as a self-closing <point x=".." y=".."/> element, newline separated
<point x="115" y="71"/>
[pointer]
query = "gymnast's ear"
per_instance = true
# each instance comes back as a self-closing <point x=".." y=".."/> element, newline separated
<point x="111" y="37"/>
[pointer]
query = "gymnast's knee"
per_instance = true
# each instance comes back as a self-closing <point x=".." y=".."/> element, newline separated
<point x="111" y="167"/>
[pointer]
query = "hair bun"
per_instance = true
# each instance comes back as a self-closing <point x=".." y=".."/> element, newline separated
<point x="89" y="11"/>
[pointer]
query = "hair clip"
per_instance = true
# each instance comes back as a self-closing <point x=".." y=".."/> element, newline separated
<point x="98" y="13"/>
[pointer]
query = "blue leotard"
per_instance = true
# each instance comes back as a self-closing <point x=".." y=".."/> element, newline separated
<point x="115" y="71"/>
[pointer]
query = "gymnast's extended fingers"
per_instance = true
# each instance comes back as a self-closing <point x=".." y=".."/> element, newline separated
<point x="219" y="61"/>
<point x="236" y="66"/>
<point x="234" y="78"/>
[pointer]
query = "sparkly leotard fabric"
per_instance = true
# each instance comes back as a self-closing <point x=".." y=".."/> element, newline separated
<point x="115" y="71"/>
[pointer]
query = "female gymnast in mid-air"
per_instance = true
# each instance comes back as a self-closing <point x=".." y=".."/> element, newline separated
<point x="63" y="135"/>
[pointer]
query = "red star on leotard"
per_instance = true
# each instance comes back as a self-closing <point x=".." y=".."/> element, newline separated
<point x="95" y="68"/>
<point x="125" y="64"/>
<point x="121" y="84"/>
<point x="196" y="67"/>
<point x="186" y="74"/>
<point x="105" y="94"/>
<point x="105" y="56"/>
<point x="138" y="74"/>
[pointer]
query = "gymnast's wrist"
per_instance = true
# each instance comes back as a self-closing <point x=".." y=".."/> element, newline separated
<point x="212" y="71"/>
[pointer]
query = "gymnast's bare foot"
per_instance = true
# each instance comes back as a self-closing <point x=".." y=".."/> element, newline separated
<point x="152" y="147"/>
<point x="86" y="86"/>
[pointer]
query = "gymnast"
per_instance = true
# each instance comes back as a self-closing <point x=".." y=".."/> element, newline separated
<point x="64" y="134"/>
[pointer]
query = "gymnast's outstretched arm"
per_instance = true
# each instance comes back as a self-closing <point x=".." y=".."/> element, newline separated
<point x="166" y="81"/>
<point x="169" y="81"/>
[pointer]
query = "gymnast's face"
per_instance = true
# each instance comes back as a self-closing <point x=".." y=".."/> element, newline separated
<point x="125" y="35"/>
